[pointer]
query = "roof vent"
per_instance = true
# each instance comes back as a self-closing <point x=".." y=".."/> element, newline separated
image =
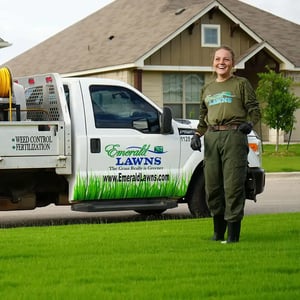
<point x="111" y="37"/>
<point x="179" y="11"/>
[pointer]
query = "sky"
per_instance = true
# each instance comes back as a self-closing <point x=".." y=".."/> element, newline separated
<point x="25" y="24"/>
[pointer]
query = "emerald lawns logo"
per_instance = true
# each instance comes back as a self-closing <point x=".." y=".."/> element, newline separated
<point x="135" y="155"/>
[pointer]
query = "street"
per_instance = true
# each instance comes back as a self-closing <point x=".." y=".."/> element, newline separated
<point x="281" y="195"/>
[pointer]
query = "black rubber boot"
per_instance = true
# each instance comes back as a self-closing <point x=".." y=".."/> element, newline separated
<point x="219" y="228"/>
<point x="234" y="229"/>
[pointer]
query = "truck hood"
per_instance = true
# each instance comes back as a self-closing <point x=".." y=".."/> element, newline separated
<point x="187" y="123"/>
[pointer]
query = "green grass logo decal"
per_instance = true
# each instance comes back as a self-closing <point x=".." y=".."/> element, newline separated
<point x="129" y="186"/>
<point x="141" y="181"/>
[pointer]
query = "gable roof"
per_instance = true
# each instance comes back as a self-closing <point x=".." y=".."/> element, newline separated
<point x="279" y="33"/>
<point x="125" y="32"/>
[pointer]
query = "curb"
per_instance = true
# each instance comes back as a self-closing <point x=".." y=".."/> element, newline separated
<point x="282" y="174"/>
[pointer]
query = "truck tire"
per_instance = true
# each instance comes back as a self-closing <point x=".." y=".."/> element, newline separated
<point x="196" y="198"/>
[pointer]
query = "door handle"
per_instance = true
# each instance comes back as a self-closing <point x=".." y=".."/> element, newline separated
<point x="95" y="145"/>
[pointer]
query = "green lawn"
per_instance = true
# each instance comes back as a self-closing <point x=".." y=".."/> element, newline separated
<point x="170" y="259"/>
<point x="282" y="161"/>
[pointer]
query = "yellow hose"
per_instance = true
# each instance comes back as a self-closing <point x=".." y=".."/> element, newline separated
<point x="6" y="87"/>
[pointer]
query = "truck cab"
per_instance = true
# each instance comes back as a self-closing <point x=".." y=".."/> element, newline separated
<point x="137" y="156"/>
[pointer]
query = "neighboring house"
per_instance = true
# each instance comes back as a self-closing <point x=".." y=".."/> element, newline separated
<point x="164" y="48"/>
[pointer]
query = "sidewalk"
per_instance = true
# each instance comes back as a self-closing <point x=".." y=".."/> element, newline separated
<point x="282" y="174"/>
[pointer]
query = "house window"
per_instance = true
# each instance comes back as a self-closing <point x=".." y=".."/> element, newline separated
<point x="181" y="92"/>
<point x="210" y="35"/>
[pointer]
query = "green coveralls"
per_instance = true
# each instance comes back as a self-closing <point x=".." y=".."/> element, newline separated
<point x="225" y="172"/>
<point x="225" y="151"/>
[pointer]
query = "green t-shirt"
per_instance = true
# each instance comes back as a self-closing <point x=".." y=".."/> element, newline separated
<point x="230" y="102"/>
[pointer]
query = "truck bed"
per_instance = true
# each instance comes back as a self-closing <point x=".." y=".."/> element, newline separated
<point x="42" y="138"/>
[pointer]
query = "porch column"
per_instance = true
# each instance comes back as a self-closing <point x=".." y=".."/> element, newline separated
<point x="138" y="77"/>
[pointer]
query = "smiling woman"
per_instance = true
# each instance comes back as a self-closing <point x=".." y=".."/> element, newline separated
<point x="223" y="63"/>
<point x="227" y="105"/>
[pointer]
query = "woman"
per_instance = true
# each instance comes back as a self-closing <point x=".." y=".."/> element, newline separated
<point x="228" y="110"/>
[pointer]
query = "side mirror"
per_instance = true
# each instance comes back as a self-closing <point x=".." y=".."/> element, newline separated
<point x="166" y="121"/>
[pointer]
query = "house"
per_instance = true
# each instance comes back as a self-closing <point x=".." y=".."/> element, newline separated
<point x="164" y="48"/>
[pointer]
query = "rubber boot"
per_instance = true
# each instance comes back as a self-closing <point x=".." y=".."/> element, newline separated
<point x="219" y="228"/>
<point x="234" y="229"/>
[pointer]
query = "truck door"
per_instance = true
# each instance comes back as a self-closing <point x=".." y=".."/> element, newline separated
<point x="128" y="157"/>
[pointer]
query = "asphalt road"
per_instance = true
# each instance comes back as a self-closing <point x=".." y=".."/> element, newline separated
<point x="282" y="194"/>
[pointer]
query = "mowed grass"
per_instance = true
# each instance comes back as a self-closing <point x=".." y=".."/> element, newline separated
<point x="169" y="259"/>
<point x="285" y="160"/>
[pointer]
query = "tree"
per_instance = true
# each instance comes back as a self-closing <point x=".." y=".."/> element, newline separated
<point x="278" y="102"/>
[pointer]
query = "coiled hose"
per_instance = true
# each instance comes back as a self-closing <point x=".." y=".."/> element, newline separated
<point x="6" y="87"/>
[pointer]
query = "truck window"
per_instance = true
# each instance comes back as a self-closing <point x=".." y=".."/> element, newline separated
<point x="67" y="94"/>
<point x="119" y="107"/>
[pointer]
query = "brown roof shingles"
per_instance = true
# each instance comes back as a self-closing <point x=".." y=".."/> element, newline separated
<point x="123" y="31"/>
<point x="281" y="34"/>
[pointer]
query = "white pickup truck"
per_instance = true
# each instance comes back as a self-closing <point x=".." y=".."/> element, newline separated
<point x="98" y="145"/>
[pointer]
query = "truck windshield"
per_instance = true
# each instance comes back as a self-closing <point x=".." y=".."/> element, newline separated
<point x="119" y="107"/>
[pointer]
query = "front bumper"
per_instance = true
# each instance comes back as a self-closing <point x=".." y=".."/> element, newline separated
<point x="255" y="183"/>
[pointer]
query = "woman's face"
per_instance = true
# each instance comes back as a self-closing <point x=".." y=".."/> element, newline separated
<point x="223" y="63"/>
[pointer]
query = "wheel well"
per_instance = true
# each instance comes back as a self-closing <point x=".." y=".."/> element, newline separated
<point x="198" y="172"/>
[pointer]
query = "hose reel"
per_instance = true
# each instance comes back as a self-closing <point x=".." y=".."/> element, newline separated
<point x="6" y="86"/>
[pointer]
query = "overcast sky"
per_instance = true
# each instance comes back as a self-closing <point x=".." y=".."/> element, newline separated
<point x="27" y="23"/>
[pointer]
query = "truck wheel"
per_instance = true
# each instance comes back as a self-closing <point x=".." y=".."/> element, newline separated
<point x="196" y="199"/>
